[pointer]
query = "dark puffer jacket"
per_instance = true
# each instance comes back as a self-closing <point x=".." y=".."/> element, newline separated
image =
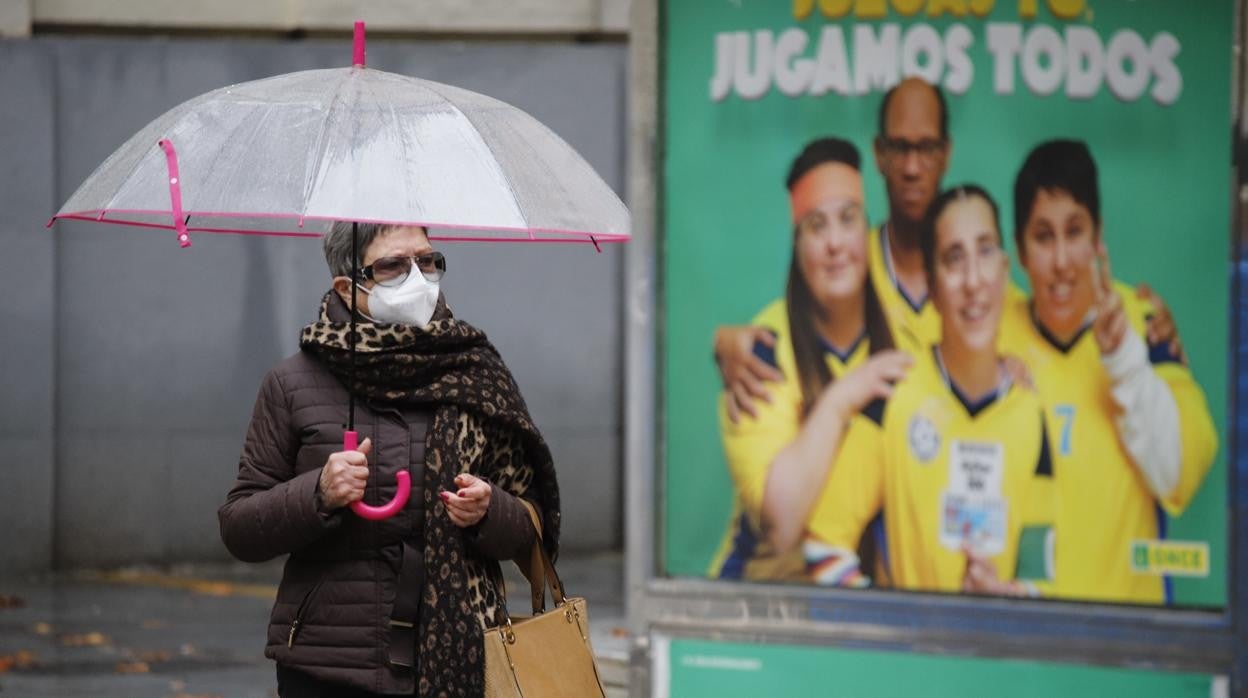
<point x="342" y="577"/>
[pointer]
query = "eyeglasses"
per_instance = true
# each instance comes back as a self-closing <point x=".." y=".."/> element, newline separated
<point x="928" y="149"/>
<point x="393" y="271"/>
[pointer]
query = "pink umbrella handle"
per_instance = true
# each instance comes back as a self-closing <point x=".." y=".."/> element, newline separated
<point x="350" y="442"/>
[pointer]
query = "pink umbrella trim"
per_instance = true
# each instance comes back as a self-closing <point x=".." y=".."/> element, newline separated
<point x="97" y="215"/>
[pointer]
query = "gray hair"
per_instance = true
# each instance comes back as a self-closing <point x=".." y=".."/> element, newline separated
<point x="337" y="244"/>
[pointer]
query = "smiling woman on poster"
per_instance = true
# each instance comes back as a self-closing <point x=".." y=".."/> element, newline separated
<point x="778" y="458"/>
<point x="957" y="459"/>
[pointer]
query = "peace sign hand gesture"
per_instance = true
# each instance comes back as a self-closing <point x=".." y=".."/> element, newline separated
<point x="1110" y="323"/>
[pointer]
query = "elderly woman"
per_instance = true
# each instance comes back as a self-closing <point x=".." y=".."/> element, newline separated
<point x="396" y="606"/>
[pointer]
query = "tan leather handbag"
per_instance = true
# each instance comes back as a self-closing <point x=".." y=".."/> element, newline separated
<point x="547" y="655"/>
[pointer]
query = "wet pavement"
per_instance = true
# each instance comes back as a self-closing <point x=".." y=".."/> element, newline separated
<point x="198" y="631"/>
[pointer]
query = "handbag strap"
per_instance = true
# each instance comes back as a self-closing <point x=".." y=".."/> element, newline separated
<point x="533" y="569"/>
<point x="539" y="569"/>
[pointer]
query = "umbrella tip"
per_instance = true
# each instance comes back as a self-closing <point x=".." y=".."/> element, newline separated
<point x="357" y="53"/>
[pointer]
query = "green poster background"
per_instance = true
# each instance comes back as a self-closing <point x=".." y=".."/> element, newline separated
<point x="1165" y="193"/>
<point x="725" y="670"/>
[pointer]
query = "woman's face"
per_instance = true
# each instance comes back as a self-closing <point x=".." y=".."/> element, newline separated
<point x="969" y="273"/>
<point x="399" y="241"/>
<point x="830" y="232"/>
<point x="1058" y="250"/>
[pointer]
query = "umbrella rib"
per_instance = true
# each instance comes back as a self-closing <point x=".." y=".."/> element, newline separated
<point x="429" y="85"/>
<point x="251" y="127"/>
<point x="321" y="143"/>
<point x="551" y="177"/>
<point x="402" y="142"/>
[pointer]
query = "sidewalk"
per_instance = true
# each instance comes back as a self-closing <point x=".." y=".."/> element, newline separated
<point x="197" y="631"/>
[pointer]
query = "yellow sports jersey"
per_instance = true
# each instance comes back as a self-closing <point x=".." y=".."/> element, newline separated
<point x="751" y="444"/>
<point x="915" y="324"/>
<point x="1105" y="504"/>
<point x="945" y="472"/>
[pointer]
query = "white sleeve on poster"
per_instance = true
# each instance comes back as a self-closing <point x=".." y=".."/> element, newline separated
<point x="1149" y="423"/>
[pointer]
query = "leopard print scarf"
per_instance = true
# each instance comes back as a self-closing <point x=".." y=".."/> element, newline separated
<point x="480" y="425"/>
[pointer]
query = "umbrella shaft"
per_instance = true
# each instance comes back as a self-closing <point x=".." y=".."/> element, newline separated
<point x="355" y="275"/>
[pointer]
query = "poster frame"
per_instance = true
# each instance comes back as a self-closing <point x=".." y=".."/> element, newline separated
<point x="1212" y="641"/>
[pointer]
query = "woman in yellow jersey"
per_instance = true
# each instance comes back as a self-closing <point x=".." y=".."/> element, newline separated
<point x="1132" y="434"/>
<point x="912" y="147"/>
<point x="957" y="459"/>
<point x="779" y="458"/>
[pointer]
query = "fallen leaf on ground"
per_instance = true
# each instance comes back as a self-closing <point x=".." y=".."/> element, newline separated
<point x="23" y="659"/>
<point x="41" y="628"/>
<point x="213" y="588"/>
<point x="92" y="639"/>
<point x="152" y="656"/>
<point x="132" y="668"/>
<point x="11" y="601"/>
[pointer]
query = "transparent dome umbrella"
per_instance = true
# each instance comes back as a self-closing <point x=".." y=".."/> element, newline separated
<point x="290" y="154"/>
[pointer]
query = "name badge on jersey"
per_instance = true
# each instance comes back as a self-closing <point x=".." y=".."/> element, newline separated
<point x="973" y="511"/>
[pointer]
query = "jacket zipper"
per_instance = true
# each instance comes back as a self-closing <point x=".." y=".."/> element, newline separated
<point x="303" y="605"/>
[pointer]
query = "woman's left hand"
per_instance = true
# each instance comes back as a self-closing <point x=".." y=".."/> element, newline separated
<point x="467" y="506"/>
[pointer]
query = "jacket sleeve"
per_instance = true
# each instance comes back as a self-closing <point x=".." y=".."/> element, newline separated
<point x="1148" y="421"/>
<point x="751" y="444"/>
<point x="270" y="511"/>
<point x="1199" y="436"/>
<point x="506" y="533"/>
<point x="1166" y="425"/>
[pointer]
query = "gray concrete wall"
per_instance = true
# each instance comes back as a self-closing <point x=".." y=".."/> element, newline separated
<point x="27" y="340"/>
<point x="128" y="366"/>
<point x="477" y="16"/>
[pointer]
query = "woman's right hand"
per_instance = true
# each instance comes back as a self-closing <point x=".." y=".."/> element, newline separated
<point x="981" y="577"/>
<point x="344" y="476"/>
<point x="742" y="372"/>
<point x="872" y="380"/>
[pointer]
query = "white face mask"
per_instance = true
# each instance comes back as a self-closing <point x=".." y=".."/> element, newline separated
<point x="410" y="303"/>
